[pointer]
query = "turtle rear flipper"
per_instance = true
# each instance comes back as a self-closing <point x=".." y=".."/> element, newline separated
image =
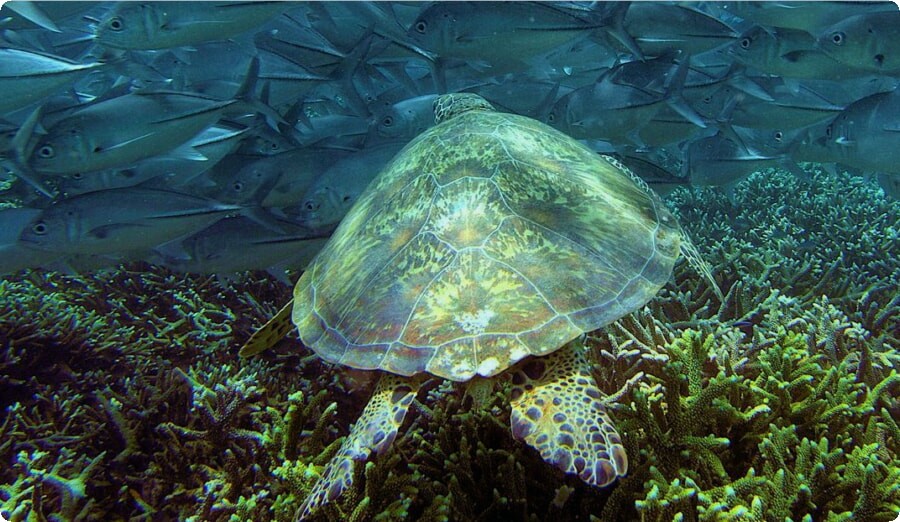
<point x="373" y="432"/>
<point x="269" y="333"/>
<point x="557" y="409"/>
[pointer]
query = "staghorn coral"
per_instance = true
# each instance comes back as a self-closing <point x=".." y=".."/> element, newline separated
<point x="780" y="402"/>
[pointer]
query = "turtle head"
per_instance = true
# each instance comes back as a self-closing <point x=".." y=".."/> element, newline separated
<point x="451" y="105"/>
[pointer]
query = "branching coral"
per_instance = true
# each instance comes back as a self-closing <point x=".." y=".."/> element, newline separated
<point x="123" y="397"/>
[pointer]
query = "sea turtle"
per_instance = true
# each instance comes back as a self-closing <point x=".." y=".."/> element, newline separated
<point x="489" y="238"/>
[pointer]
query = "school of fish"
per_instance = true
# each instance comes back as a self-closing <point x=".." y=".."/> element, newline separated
<point x="217" y="137"/>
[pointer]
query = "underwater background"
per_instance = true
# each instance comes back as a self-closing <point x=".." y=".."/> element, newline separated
<point x="226" y="142"/>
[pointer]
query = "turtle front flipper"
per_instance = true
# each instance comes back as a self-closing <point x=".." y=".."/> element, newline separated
<point x="557" y="409"/>
<point x="269" y="333"/>
<point x="373" y="432"/>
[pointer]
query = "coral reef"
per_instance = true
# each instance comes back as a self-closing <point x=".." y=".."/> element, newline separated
<point x="123" y="397"/>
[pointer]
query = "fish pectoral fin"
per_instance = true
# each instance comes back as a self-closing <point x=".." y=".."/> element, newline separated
<point x="270" y="333"/>
<point x="187" y="152"/>
<point x="104" y="231"/>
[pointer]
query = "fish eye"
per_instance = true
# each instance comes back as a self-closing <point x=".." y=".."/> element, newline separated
<point x="116" y="24"/>
<point x="828" y="131"/>
<point x="39" y="228"/>
<point x="346" y="198"/>
<point x="387" y="121"/>
<point x="77" y="176"/>
<point x="837" y="38"/>
<point x="745" y="43"/>
<point x="238" y="186"/>
<point x="551" y="117"/>
<point x="310" y="205"/>
<point x="778" y="136"/>
<point x="421" y="26"/>
<point x="46" y="151"/>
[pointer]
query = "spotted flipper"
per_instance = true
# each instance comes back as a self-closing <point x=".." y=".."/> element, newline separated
<point x="269" y="333"/>
<point x="373" y="432"/>
<point x="556" y="409"/>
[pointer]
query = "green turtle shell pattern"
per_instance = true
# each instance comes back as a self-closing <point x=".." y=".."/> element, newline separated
<point x="488" y="238"/>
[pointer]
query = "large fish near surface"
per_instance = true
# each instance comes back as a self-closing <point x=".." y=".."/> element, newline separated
<point x="659" y="27"/>
<point x="161" y="25"/>
<point x="805" y="15"/>
<point x="28" y="76"/>
<point x="120" y="131"/>
<point x="789" y="53"/>
<point x="866" y="134"/>
<point x="868" y="41"/>
<point x="120" y="221"/>
<point x="623" y="101"/>
<point x="503" y="34"/>
<point x="787" y="109"/>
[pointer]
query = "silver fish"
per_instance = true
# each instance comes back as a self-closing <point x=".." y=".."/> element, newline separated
<point x="866" y="134"/>
<point x="29" y="76"/>
<point x="659" y="27"/>
<point x="296" y="170"/>
<point x="120" y="221"/>
<point x="333" y="193"/>
<point x="238" y="244"/>
<point x="407" y="118"/>
<point x="161" y="25"/>
<point x="868" y="41"/>
<point x="15" y="255"/>
<point x="98" y="137"/>
<point x="503" y="34"/>
<point x="719" y="161"/>
<point x="807" y="16"/>
<point x="172" y="168"/>
<point x="790" y="53"/>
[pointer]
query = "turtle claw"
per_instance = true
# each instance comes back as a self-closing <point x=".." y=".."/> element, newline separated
<point x="556" y="409"/>
<point x="374" y="432"/>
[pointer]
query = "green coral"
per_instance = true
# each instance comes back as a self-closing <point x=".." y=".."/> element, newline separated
<point x="123" y="397"/>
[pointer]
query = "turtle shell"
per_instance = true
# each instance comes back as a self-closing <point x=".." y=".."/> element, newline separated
<point x="488" y="238"/>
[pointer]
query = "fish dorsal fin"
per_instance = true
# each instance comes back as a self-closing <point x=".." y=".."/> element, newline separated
<point x="270" y="333"/>
<point x="690" y="252"/>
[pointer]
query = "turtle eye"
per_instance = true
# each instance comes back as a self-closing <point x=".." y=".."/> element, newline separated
<point x="46" y="151"/>
<point x="115" y="24"/>
<point x="421" y="27"/>
<point x="745" y="43"/>
<point x="39" y="228"/>
<point x="838" y="38"/>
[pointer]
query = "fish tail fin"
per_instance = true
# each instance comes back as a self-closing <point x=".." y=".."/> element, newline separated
<point x="247" y="95"/>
